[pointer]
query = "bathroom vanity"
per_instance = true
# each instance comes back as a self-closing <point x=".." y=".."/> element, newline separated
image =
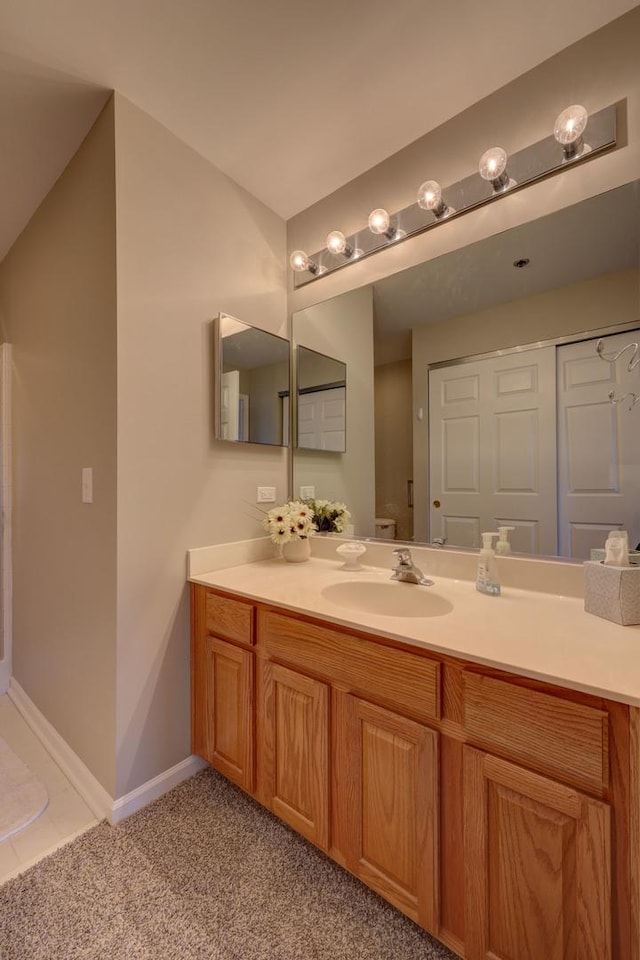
<point x="477" y="777"/>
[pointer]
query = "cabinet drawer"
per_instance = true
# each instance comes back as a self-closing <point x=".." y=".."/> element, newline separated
<point x="392" y="677"/>
<point x="557" y="736"/>
<point x="230" y="619"/>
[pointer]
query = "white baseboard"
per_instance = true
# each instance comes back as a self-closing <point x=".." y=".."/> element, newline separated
<point x="90" y="789"/>
<point x="99" y="801"/>
<point x="154" y="788"/>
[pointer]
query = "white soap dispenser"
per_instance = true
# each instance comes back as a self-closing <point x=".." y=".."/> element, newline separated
<point x="503" y="546"/>
<point x="487" y="580"/>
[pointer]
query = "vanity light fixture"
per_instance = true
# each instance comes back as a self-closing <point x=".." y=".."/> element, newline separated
<point x="300" y="262"/>
<point x="526" y="166"/>
<point x="493" y="169"/>
<point x="568" y="130"/>
<point x="380" y="224"/>
<point x="430" y="198"/>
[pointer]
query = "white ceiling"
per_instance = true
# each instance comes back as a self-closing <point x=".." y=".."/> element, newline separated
<point x="595" y="237"/>
<point x="290" y="99"/>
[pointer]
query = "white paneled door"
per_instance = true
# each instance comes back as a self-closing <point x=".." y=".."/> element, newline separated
<point x="230" y="406"/>
<point x="322" y="419"/>
<point x="532" y="440"/>
<point x="598" y="445"/>
<point x="492" y="448"/>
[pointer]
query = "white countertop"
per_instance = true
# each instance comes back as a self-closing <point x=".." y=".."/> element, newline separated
<point x="539" y="635"/>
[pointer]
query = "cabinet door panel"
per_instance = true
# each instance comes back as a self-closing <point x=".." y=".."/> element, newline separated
<point x="296" y="745"/>
<point x="390" y="777"/>
<point x="538" y="866"/>
<point x="230" y="710"/>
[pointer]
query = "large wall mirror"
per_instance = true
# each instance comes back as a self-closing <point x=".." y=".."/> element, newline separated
<point x="475" y="392"/>
<point x="251" y="383"/>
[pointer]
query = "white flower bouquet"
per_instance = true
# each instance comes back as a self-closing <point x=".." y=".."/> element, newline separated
<point x="330" y="516"/>
<point x="292" y="521"/>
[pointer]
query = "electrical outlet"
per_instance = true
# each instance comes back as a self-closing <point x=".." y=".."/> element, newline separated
<point x="266" y="495"/>
<point x="308" y="493"/>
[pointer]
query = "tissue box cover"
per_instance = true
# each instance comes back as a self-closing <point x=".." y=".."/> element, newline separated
<point x="612" y="592"/>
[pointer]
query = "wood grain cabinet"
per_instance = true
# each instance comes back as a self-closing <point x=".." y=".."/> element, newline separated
<point x="296" y="750"/>
<point x="538" y="858"/>
<point x="223" y="697"/>
<point x="387" y="804"/>
<point x="500" y="813"/>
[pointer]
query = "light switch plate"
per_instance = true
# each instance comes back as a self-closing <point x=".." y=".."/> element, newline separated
<point x="307" y="493"/>
<point x="266" y="495"/>
<point x="87" y="484"/>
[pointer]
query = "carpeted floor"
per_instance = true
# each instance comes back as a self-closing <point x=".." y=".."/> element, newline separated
<point x="202" y="874"/>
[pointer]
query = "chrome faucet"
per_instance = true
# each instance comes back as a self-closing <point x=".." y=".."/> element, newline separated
<point x="406" y="571"/>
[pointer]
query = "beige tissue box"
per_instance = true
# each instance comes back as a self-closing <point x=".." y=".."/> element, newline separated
<point x="612" y="592"/>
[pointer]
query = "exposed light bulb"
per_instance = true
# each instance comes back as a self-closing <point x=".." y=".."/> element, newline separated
<point x="380" y="223"/>
<point x="337" y="243"/>
<point x="568" y="130"/>
<point x="379" y="220"/>
<point x="300" y="262"/>
<point x="493" y="168"/>
<point x="430" y="198"/>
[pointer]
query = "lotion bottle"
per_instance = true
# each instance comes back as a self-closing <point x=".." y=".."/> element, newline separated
<point x="487" y="580"/>
<point x="503" y="546"/>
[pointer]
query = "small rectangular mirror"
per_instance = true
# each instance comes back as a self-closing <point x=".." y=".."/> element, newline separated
<point x="321" y="398"/>
<point x="251" y="383"/>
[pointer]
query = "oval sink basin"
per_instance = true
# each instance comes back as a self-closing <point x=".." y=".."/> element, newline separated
<point x="388" y="598"/>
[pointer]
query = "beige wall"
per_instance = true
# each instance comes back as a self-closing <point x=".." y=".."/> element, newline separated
<point x="599" y="70"/>
<point x="58" y="299"/>
<point x="122" y="382"/>
<point x="394" y="444"/>
<point x="191" y="243"/>
<point x="568" y="311"/>
<point x="344" y="329"/>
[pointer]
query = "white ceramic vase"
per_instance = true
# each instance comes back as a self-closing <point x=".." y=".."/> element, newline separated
<point x="295" y="551"/>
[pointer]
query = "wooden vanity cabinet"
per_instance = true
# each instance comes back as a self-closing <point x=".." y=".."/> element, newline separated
<point x="295" y="746"/>
<point x="538" y="866"/>
<point x="223" y="687"/>
<point x="500" y="813"/>
<point x="386" y="797"/>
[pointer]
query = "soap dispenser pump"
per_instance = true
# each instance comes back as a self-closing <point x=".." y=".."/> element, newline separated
<point x="487" y="580"/>
<point x="503" y="546"/>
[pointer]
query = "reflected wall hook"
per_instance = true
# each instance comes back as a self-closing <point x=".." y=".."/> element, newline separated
<point x="632" y="363"/>
<point x="612" y="358"/>
<point x="616" y="400"/>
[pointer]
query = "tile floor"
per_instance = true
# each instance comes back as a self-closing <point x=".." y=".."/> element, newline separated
<point x="66" y="815"/>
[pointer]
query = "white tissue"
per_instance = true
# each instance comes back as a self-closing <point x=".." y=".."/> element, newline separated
<point x="616" y="549"/>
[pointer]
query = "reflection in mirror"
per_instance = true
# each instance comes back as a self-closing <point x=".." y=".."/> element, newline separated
<point x="321" y="399"/>
<point x="251" y="385"/>
<point x="550" y="285"/>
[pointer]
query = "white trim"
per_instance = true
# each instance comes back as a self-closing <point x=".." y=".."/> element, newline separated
<point x="154" y="788"/>
<point x="101" y="803"/>
<point x="90" y="789"/>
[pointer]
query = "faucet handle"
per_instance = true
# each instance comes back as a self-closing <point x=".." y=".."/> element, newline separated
<point x="404" y="555"/>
